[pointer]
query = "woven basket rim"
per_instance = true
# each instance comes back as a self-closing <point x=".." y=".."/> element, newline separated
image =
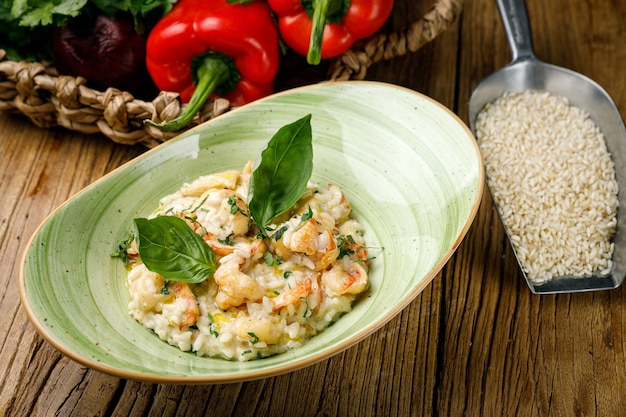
<point x="48" y="99"/>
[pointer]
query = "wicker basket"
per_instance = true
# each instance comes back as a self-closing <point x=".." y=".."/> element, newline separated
<point x="49" y="99"/>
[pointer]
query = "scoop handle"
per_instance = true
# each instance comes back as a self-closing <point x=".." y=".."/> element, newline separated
<point x="517" y="29"/>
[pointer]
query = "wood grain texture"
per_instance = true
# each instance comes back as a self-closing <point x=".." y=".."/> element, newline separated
<point x="476" y="342"/>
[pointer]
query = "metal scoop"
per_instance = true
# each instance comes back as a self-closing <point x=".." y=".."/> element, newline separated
<point x="526" y="72"/>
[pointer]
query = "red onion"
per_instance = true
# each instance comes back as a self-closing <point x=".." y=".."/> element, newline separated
<point x="108" y="52"/>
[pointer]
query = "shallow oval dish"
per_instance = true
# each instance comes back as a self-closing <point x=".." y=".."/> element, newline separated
<point x="409" y="166"/>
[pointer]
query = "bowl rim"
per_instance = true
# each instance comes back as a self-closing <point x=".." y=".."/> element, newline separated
<point x="279" y="369"/>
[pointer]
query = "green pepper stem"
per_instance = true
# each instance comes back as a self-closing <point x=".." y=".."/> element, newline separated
<point x="212" y="72"/>
<point x="321" y="10"/>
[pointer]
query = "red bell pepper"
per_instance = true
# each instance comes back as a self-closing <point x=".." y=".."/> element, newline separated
<point x="234" y="48"/>
<point x="320" y="29"/>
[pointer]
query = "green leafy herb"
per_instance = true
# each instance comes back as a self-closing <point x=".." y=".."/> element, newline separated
<point x="34" y="13"/>
<point x="279" y="233"/>
<point x="307" y="215"/>
<point x="26" y="25"/>
<point x="122" y="247"/>
<point x="169" y="247"/>
<point x="234" y="208"/>
<point x="306" y="308"/>
<point x="199" y="205"/>
<point x="346" y="245"/>
<point x="194" y="220"/>
<point x="280" y="177"/>
<point x="271" y="260"/>
<point x="213" y="326"/>
<point x="228" y="241"/>
<point x="253" y="338"/>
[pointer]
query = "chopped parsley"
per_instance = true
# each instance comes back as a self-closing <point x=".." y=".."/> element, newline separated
<point x="306" y="303"/>
<point x="228" y="241"/>
<point x="272" y="260"/>
<point x="212" y="326"/>
<point x="200" y="204"/>
<point x="253" y="338"/>
<point x="122" y="247"/>
<point x="307" y="215"/>
<point x="347" y="245"/>
<point x="279" y="233"/>
<point x="234" y="207"/>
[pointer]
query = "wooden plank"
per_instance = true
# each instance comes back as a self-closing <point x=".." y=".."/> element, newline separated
<point x="476" y="342"/>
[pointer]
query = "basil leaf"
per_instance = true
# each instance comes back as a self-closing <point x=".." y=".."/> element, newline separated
<point x="169" y="247"/>
<point x="280" y="177"/>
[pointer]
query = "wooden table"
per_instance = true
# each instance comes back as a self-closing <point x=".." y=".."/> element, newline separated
<point x="476" y="342"/>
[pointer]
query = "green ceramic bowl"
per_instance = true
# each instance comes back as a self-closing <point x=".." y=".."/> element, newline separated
<point x="409" y="166"/>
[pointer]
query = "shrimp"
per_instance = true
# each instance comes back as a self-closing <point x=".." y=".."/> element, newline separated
<point x="186" y="297"/>
<point x="305" y="239"/>
<point x="258" y="330"/>
<point x="345" y="278"/>
<point x="258" y="248"/>
<point x="350" y="246"/>
<point x="225" y="213"/>
<point x="145" y="287"/>
<point x="244" y="184"/>
<point x="219" y="248"/>
<point x="221" y="216"/>
<point x="292" y="295"/>
<point x="315" y="298"/>
<point x="235" y="287"/>
<point x="333" y="202"/>
<point x="226" y="179"/>
<point x="316" y="242"/>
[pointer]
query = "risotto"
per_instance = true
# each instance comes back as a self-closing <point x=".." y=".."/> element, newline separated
<point x="266" y="296"/>
<point x="553" y="181"/>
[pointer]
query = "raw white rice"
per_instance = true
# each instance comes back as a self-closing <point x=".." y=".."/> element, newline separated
<point x="553" y="182"/>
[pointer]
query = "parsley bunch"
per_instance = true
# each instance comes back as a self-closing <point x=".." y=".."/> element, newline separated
<point x="26" y="25"/>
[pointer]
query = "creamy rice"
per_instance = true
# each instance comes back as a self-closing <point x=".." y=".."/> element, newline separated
<point x="266" y="296"/>
<point x="553" y="181"/>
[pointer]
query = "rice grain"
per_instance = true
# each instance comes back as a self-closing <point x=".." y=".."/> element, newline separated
<point x="553" y="182"/>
